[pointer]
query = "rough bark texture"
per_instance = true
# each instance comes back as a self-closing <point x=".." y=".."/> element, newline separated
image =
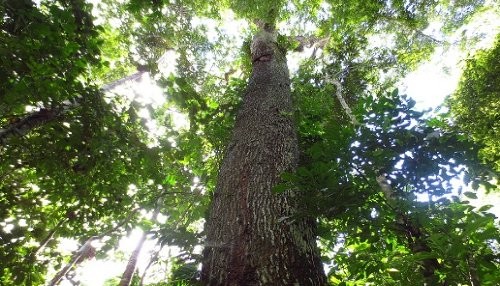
<point x="253" y="237"/>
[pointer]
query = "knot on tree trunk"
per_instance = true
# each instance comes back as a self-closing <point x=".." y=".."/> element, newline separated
<point x="263" y="46"/>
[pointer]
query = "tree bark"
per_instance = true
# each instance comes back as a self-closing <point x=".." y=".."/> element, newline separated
<point x="253" y="235"/>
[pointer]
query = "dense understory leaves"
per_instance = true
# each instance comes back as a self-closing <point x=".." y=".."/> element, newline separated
<point x="69" y="174"/>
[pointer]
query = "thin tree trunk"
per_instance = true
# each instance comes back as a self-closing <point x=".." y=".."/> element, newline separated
<point x="413" y="233"/>
<point x="473" y="277"/>
<point x="132" y="262"/>
<point x="414" y="236"/>
<point x="22" y="126"/>
<point x="86" y="251"/>
<point x="151" y="261"/>
<point x="253" y="235"/>
<point x="128" y="274"/>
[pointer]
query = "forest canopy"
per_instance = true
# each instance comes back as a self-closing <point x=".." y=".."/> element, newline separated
<point x="90" y="152"/>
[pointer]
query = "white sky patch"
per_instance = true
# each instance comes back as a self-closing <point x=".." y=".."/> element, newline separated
<point x="229" y="26"/>
<point x="22" y="222"/>
<point x="132" y="190"/>
<point x="148" y="92"/>
<point x="294" y="58"/>
<point x="233" y="27"/>
<point x="196" y="180"/>
<point x="432" y="81"/>
<point x="7" y="227"/>
<point x="487" y="199"/>
<point x="167" y="62"/>
<point x="143" y="90"/>
<point x="102" y="270"/>
<point x="99" y="270"/>
<point x="129" y="243"/>
<point x="67" y="245"/>
<point x="229" y="32"/>
<point x="180" y="120"/>
<point x="161" y="218"/>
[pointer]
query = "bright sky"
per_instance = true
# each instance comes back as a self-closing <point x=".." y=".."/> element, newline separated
<point x="428" y="85"/>
<point x="438" y="78"/>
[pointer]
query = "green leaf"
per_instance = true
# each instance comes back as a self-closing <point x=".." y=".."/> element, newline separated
<point x="485" y="208"/>
<point x="280" y="188"/>
<point x="470" y="195"/>
<point x="170" y="180"/>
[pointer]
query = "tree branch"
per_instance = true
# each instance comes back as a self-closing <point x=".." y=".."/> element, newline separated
<point x="338" y="93"/>
<point x="47" y="239"/>
<point x="152" y="260"/>
<point x="22" y="126"/>
<point x="86" y="251"/>
<point x="130" y="78"/>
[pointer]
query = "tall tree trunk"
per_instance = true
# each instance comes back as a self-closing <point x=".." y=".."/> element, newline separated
<point x="253" y="235"/>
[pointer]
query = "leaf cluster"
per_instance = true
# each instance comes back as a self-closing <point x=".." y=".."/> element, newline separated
<point x="385" y="196"/>
<point x="475" y="104"/>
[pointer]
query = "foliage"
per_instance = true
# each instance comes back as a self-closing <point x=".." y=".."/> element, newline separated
<point x="475" y="104"/>
<point x="380" y="232"/>
<point x="70" y="176"/>
<point x="85" y="162"/>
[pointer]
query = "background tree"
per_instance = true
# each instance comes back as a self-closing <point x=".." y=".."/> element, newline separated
<point x="475" y="103"/>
